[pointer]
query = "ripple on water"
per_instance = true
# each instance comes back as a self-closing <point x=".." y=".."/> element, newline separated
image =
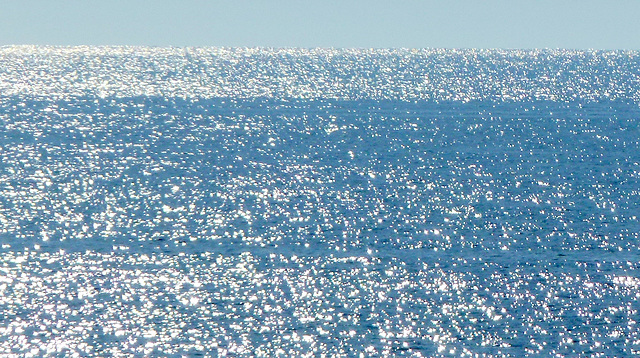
<point x="254" y="202"/>
<point x="272" y="304"/>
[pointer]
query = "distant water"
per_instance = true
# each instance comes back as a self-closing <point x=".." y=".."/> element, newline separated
<point x="269" y="202"/>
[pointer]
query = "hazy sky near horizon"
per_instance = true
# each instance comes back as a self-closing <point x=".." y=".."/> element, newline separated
<point x="599" y="24"/>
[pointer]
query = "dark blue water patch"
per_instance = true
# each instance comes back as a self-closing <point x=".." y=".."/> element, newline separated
<point x="338" y="174"/>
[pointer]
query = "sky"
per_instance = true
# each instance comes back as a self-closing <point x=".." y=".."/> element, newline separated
<point x="574" y="24"/>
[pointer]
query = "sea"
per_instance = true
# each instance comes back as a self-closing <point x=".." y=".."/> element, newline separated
<point x="266" y="202"/>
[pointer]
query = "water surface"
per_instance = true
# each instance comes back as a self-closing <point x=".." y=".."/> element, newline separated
<point x="268" y="202"/>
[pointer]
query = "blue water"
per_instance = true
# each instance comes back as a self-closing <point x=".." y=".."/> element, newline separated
<point x="288" y="202"/>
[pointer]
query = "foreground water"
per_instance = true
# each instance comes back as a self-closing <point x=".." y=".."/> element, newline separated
<point x="243" y="202"/>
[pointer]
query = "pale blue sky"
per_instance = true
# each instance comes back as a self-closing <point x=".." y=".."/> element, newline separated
<point x="600" y="24"/>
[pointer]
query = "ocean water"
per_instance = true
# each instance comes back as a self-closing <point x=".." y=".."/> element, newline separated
<point x="320" y="202"/>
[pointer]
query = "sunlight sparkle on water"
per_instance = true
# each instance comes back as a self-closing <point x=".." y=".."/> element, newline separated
<point x="300" y="202"/>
